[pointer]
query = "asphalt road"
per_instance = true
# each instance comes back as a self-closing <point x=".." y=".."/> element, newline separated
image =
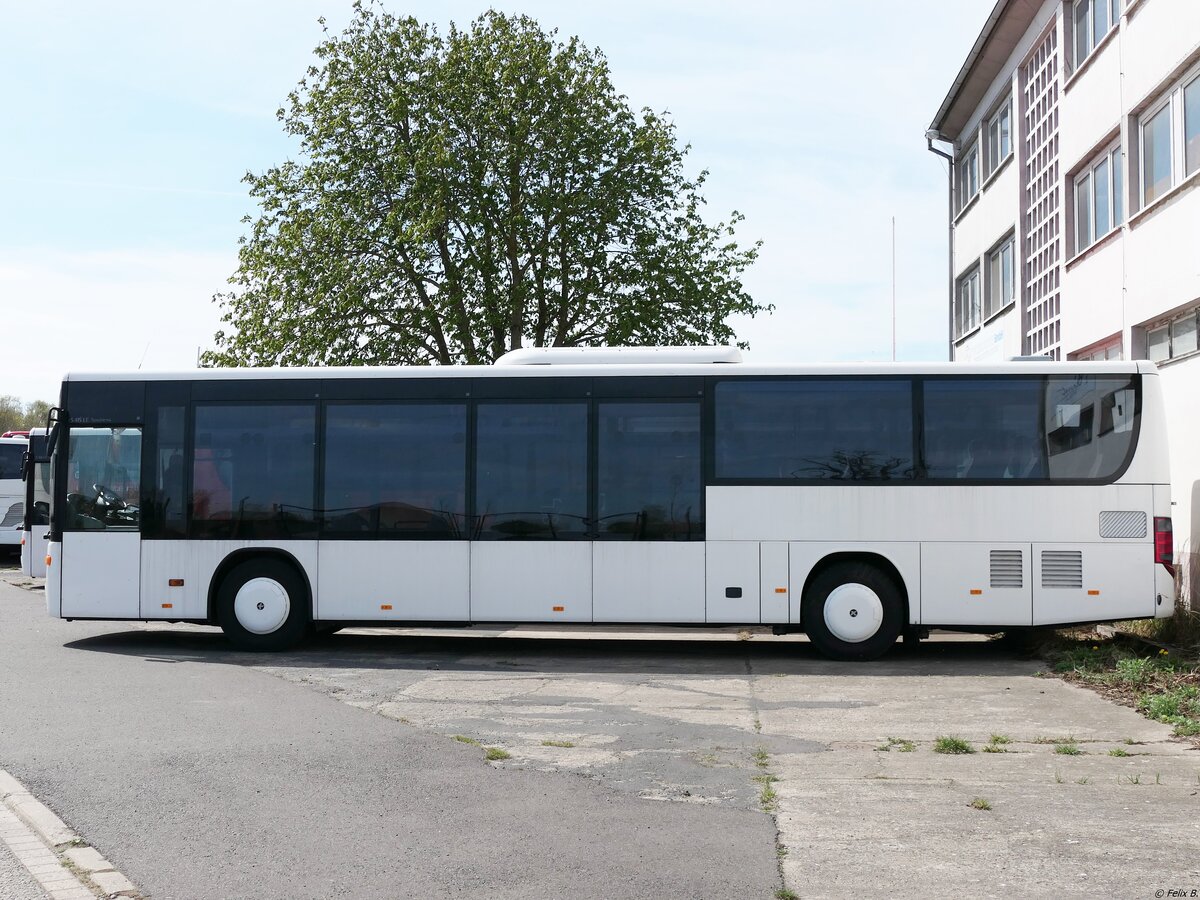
<point x="201" y="776"/>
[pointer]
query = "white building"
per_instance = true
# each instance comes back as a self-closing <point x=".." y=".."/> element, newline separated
<point x="1075" y="213"/>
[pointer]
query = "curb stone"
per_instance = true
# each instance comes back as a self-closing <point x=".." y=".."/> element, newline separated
<point x="64" y="865"/>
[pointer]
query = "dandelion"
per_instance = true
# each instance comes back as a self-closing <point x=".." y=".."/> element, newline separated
<point x="1163" y="652"/>
<point x="1095" y="647"/>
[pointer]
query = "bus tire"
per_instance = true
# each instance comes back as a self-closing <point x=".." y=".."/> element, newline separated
<point x="852" y="611"/>
<point x="262" y="604"/>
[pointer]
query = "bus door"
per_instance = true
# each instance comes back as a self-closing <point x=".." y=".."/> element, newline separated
<point x="37" y="508"/>
<point x="100" y="556"/>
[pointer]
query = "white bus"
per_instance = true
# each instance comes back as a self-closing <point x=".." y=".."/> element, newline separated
<point x="36" y="514"/>
<point x="12" y="493"/>
<point x="857" y="503"/>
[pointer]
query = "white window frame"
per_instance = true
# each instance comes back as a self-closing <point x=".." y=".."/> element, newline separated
<point x="967" y="165"/>
<point x="993" y="304"/>
<point x="997" y="154"/>
<point x="1172" y="100"/>
<point x="1112" y="9"/>
<point x="967" y="311"/>
<point x="1112" y="154"/>
<point x="1167" y="326"/>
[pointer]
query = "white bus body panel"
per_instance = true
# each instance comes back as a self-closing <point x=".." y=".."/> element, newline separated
<point x="54" y="579"/>
<point x="100" y="574"/>
<point x="33" y="552"/>
<point x="523" y="581"/>
<point x="647" y="581"/>
<point x="775" y="589"/>
<point x="732" y="585"/>
<point x="1117" y="582"/>
<point x="196" y="563"/>
<point x="419" y="580"/>
<point x="957" y="587"/>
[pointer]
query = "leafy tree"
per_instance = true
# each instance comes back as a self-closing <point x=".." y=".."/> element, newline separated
<point x="463" y="195"/>
<point x="12" y="414"/>
<point x="16" y="417"/>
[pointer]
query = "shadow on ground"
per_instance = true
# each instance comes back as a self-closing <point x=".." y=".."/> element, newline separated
<point x="584" y="655"/>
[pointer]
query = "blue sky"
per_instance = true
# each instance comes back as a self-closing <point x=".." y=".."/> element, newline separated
<point x="129" y="126"/>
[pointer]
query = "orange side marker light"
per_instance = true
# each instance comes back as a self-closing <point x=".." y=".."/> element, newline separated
<point x="781" y="590"/>
<point x="975" y="592"/>
<point x="167" y="605"/>
<point x="1093" y="593"/>
<point x="175" y="582"/>
<point x="385" y="606"/>
<point x="49" y="558"/>
<point x="559" y="608"/>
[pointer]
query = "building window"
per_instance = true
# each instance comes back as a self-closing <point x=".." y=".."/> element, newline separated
<point x="1110" y="349"/>
<point x="1099" y="207"/>
<point x="1000" y="280"/>
<point x="998" y="138"/>
<point x="1170" y="138"/>
<point x="1093" y="20"/>
<point x="1173" y="339"/>
<point x="968" y="176"/>
<point x="966" y="304"/>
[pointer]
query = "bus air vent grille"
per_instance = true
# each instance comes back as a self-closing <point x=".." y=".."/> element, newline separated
<point x="1122" y="524"/>
<point x="1062" y="569"/>
<point x="1007" y="569"/>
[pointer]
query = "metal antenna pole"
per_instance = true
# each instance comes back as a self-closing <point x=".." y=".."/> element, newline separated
<point x="893" y="288"/>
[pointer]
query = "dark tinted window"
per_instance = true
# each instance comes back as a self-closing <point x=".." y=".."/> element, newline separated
<point x="813" y="428"/>
<point x="10" y="460"/>
<point x="395" y="470"/>
<point x="38" y="512"/>
<point x="984" y="428"/>
<point x="103" y="476"/>
<point x="1063" y="428"/>
<point x="165" y="505"/>
<point x="252" y="471"/>
<point x="531" y="470"/>
<point x="648" y="485"/>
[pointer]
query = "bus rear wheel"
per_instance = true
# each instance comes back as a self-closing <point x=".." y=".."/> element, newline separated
<point x="262" y="604"/>
<point x="852" y="611"/>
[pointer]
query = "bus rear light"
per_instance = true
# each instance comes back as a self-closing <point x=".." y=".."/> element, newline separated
<point x="22" y="542"/>
<point x="1164" y="543"/>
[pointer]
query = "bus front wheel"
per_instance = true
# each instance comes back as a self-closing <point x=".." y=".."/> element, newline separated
<point x="852" y="611"/>
<point x="262" y="604"/>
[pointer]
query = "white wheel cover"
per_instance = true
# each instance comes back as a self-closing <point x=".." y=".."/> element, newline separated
<point x="262" y="605"/>
<point x="853" y="612"/>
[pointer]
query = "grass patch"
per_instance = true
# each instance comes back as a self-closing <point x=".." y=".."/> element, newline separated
<point x="463" y="739"/>
<point x="761" y="758"/>
<point x="980" y="803"/>
<point x="785" y="894"/>
<point x="1068" y="748"/>
<point x="904" y="746"/>
<point x="1000" y="739"/>
<point x="558" y="743"/>
<point x="768" y="799"/>
<point x="491" y="754"/>
<point x="953" y="745"/>
<point x="1162" y="684"/>
<point x="1081" y="780"/>
<point x="1117" y="751"/>
<point x="994" y="748"/>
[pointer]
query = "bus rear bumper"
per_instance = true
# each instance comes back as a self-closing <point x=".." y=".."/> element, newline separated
<point x="1164" y="589"/>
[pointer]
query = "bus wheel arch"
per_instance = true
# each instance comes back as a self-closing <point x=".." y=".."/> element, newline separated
<point x="262" y="599"/>
<point x="854" y="605"/>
